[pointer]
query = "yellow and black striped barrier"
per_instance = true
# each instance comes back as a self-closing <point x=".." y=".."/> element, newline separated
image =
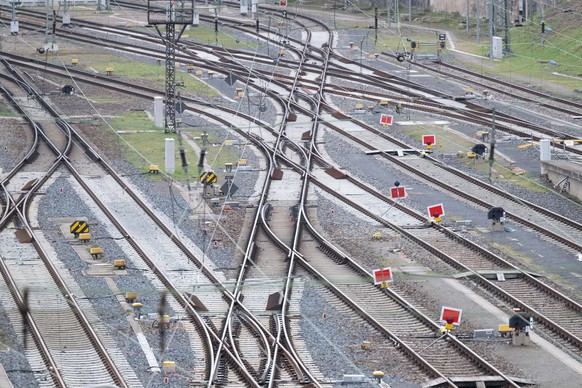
<point x="208" y="178"/>
<point x="78" y="227"/>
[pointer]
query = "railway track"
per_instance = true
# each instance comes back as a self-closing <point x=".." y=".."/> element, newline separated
<point x="510" y="89"/>
<point x="110" y="196"/>
<point x="61" y="330"/>
<point x="248" y="331"/>
<point x="561" y="317"/>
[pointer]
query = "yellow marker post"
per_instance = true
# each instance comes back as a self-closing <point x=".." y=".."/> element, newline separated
<point x="96" y="252"/>
<point x="154" y="169"/>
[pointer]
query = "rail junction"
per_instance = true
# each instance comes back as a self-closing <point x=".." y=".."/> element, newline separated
<point x="116" y="275"/>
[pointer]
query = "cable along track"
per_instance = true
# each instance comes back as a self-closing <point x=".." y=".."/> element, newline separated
<point x="399" y="321"/>
<point x="557" y="227"/>
<point x="458" y="252"/>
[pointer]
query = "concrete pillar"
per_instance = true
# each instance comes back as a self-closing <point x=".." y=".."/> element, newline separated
<point x="170" y="159"/>
<point x="159" y="111"/>
<point x="545" y="152"/>
<point x="496" y="47"/>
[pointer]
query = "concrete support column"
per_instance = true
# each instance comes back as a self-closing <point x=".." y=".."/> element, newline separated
<point x="169" y="156"/>
<point x="496" y="47"/>
<point x="545" y="152"/>
<point x="159" y="111"/>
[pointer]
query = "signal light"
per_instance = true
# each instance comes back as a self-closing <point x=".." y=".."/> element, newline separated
<point x="68" y="89"/>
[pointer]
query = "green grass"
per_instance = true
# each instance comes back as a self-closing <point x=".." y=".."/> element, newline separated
<point x="8" y="113"/>
<point x="529" y="58"/>
<point x="450" y="141"/>
<point x="205" y="34"/>
<point x="128" y="69"/>
<point x="147" y="146"/>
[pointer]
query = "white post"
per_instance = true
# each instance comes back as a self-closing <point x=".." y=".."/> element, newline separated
<point x="169" y="156"/>
<point x="159" y="111"/>
<point x="496" y="47"/>
<point x="545" y="152"/>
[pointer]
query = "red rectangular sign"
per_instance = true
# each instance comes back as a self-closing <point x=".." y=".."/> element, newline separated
<point x="428" y="139"/>
<point x="382" y="275"/>
<point x="386" y="119"/>
<point x="398" y="192"/>
<point x="436" y="210"/>
<point x="451" y="315"/>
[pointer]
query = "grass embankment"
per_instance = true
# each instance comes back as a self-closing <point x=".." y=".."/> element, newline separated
<point x="551" y="62"/>
<point x="134" y="69"/>
<point x="144" y="144"/>
<point x="449" y="141"/>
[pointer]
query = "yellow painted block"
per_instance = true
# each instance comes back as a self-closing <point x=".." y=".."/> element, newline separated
<point x="119" y="263"/>
<point x="130" y="295"/>
<point x="85" y="236"/>
<point x="96" y="250"/>
<point x="199" y="72"/>
<point x="377" y="235"/>
<point x="471" y="155"/>
<point x="504" y="328"/>
<point x="169" y="366"/>
<point x="154" y="168"/>
<point x="74" y="61"/>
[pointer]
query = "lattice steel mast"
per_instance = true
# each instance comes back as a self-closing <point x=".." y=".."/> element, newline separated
<point x="170" y="13"/>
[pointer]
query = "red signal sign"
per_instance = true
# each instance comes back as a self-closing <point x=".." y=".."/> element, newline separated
<point x="398" y="192"/>
<point x="451" y="316"/>
<point x="428" y="139"/>
<point x="436" y="210"/>
<point x="382" y="275"/>
<point x="283" y="3"/>
<point x="386" y="119"/>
